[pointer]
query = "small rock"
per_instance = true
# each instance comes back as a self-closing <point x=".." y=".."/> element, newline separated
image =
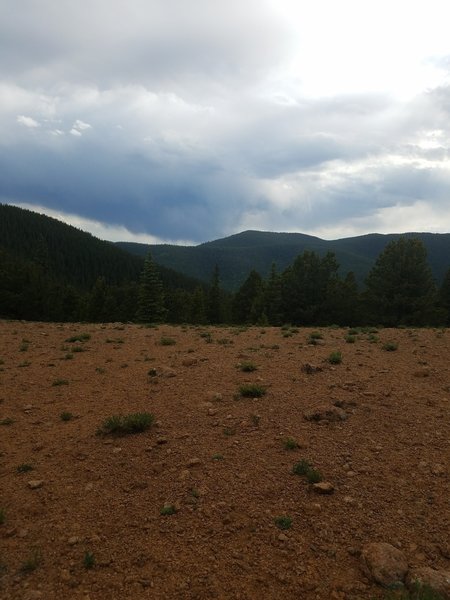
<point x="283" y="537"/>
<point x="325" y="413"/>
<point x="161" y="440"/>
<point x="212" y="411"/>
<point x="185" y="474"/>
<point x="65" y="575"/>
<point x="22" y="533"/>
<point x="189" y="362"/>
<point x="422" y="373"/>
<point x="27" y="407"/>
<point x="35" y="484"/>
<point x="89" y="487"/>
<point x="384" y="563"/>
<point x="117" y="450"/>
<point x="72" y="541"/>
<point x="437" y="580"/>
<point x="438" y="470"/>
<point x="324" y="487"/>
<point x="192" y="462"/>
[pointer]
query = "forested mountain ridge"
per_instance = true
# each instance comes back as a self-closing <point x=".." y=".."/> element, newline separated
<point x="238" y="254"/>
<point x="52" y="271"/>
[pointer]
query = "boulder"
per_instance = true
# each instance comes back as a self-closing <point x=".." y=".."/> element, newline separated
<point x="384" y="563"/>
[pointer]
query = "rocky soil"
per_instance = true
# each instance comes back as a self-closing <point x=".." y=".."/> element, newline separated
<point x="82" y="515"/>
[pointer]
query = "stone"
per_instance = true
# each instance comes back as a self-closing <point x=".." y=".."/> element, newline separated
<point x="323" y="487"/>
<point x="73" y="540"/>
<point x="283" y="537"/>
<point x="325" y="413"/>
<point x="161" y="440"/>
<point x="192" y="462"/>
<point x="35" y="484"/>
<point x="437" y="580"/>
<point x="384" y="563"/>
<point x="189" y="362"/>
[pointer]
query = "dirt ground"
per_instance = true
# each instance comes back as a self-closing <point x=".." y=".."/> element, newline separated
<point x="71" y="499"/>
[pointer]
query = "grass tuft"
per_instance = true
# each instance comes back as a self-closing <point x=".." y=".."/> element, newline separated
<point x="127" y="424"/>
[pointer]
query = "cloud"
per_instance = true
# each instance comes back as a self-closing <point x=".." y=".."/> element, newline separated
<point x="189" y="121"/>
<point x="28" y="121"/>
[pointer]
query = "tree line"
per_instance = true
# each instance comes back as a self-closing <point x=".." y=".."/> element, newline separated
<point x="399" y="290"/>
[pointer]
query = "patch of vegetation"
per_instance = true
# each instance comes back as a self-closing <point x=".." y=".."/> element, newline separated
<point x="168" y="509"/>
<point x="350" y="339"/>
<point x="314" y="476"/>
<point x="252" y="390"/>
<point x="305" y="469"/>
<point x="7" y="421"/>
<point x="335" y="358"/>
<point x="32" y="562"/>
<point x="68" y="356"/>
<point x="302" y="467"/>
<point x="66" y="416"/>
<point x="115" y="341"/>
<point x="225" y="342"/>
<point x="229" y="431"/>
<point x="89" y="560"/>
<point x="217" y="457"/>
<point x="283" y="522"/>
<point x="127" y="424"/>
<point x="25" y="363"/>
<point x="167" y="341"/>
<point x="290" y="444"/>
<point x="313" y="337"/>
<point x="81" y="337"/>
<point x="24" y="346"/>
<point x="390" y="346"/>
<point x="100" y="370"/>
<point x="59" y="382"/>
<point x="24" y="468"/>
<point x="76" y="349"/>
<point x="372" y="338"/>
<point x="247" y="367"/>
<point x="2" y="516"/>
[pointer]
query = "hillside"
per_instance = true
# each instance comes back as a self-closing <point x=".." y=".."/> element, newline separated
<point x="238" y="254"/>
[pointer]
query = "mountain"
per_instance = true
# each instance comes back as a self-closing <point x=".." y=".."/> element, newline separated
<point x="72" y="256"/>
<point x="238" y="254"/>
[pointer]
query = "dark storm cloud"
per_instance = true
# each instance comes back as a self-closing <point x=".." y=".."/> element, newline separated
<point x="169" y="118"/>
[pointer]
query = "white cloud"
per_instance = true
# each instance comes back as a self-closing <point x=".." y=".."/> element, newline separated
<point x="81" y="125"/>
<point x="28" y="121"/>
<point x="75" y="132"/>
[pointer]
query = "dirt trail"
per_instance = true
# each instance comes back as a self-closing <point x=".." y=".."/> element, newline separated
<point x="219" y="459"/>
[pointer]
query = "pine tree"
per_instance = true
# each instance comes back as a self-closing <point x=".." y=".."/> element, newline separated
<point x="272" y="301"/>
<point x="248" y="303"/>
<point x="215" y="298"/>
<point x="444" y="297"/>
<point x="400" y="286"/>
<point x="151" y="294"/>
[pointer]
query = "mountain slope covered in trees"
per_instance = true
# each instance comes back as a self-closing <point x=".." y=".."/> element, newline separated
<point x="238" y="254"/>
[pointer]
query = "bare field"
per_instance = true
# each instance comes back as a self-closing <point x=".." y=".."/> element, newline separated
<point x="81" y="512"/>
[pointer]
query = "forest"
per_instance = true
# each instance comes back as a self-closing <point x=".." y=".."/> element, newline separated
<point x="50" y="271"/>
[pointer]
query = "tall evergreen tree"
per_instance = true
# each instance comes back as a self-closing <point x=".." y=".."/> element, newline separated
<point x="400" y="286"/>
<point x="214" y="311"/>
<point x="248" y="303"/>
<point x="273" y="300"/>
<point x="151" y="294"/>
<point x="306" y="286"/>
<point x="444" y="297"/>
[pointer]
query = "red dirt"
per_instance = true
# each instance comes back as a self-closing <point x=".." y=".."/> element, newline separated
<point x="388" y="462"/>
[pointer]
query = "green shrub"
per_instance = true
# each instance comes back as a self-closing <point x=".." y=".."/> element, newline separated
<point x="335" y="358"/>
<point x="81" y="337"/>
<point x="88" y="560"/>
<point x="66" y="416"/>
<point x="247" y="367"/>
<point x="302" y="467"/>
<point x="7" y="421"/>
<point x="283" y="522"/>
<point x="59" y="382"/>
<point x="350" y="339"/>
<point x="168" y="509"/>
<point x="390" y="346"/>
<point x="314" y="476"/>
<point x="24" y="468"/>
<point x="252" y="390"/>
<point x="167" y="341"/>
<point x="127" y="424"/>
<point x="290" y="444"/>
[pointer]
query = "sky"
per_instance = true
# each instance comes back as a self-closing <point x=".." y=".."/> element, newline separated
<point x="185" y="121"/>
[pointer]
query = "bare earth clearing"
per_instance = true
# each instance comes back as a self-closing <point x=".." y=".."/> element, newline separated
<point x="219" y="459"/>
